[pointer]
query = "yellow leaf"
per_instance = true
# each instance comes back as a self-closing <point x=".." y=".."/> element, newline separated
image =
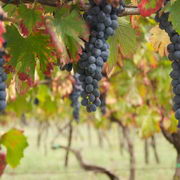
<point x="159" y="40"/>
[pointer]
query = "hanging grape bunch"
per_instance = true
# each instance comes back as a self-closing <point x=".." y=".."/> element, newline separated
<point x="3" y="75"/>
<point x="102" y="20"/>
<point x="174" y="55"/>
<point x="74" y="97"/>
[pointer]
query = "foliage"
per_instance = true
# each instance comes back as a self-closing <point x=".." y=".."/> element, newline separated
<point x="15" y="143"/>
<point x="41" y="39"/>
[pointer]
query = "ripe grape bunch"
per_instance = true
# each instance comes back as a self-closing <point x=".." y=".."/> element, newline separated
<point x="74" y="96"/>
<point x="3" y="75"/>
<point x="102" y="20"/>
<point x="174" y="55"/>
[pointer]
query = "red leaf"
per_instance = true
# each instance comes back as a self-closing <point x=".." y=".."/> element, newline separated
<point x="23" y="29"/>
<point x="145" y="11"/>
<point x="2" y="163"/>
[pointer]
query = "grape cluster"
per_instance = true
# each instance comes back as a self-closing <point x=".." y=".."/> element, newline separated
<point x="3" y="75"/>
<point x="174" y="55"/>
<point x="3" y="78"/>
<point x="102" y="20"/>
<point x="74" y="96"/>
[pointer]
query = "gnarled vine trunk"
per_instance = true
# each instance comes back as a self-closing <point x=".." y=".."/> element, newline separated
<point x="177" y="172"/>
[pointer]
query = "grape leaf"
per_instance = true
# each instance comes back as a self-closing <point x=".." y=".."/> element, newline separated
<point x="70" y="26"/>
<point x="149" y="7"/>
<point x="16" y="106"/>
<point x="174" y="10"/>
<point x="15" y="143"/>
<point x="159" y="40"/>
<point x="29" y="16"/>
<point x="25" y="51"/>
<point x="125" y="38"/>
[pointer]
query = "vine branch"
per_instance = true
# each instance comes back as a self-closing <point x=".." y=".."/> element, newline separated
<point x="88" y="167"/>
<point x="129" y="10"/>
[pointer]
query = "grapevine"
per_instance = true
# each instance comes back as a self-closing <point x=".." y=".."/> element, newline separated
<point x="174" y="55"/>
<point x="102" y="20"/>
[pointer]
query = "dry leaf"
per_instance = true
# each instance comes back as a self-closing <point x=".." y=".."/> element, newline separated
<point x="159" y="40"/>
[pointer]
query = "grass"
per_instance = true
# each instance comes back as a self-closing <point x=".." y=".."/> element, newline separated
<point x="38" y="166"/>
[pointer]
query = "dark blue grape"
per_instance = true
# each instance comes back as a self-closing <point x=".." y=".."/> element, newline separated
<point x="99" y="43"/>
<point x="92" y="107"/>
<point x="108" y="22"/>
<point x="91" y="60"/>
<point x="89" y="79"/>
<point x="100" y="34"/>
<point x="2" y="95"/>
<point x="89" y="88"/>
<point x="100" y="27"/>
<point x="174" y="38"/>
<point x="177" y="114"/>
<point x="2" y="86"/>
<point x="82" y="78"/>
<point x="176" y="106"/>
<point x="84" y="102"/>
<point x="171" y="56"/>
<point x="96" y="52"/>
<point x="92" y="68"/>
<point x="176" y="55"/>
<point x="97" y="102"/>
<point x="101" y="16"/>
<point x="1" y="61"/>
<point x="174" y="82"/>
<point x="175" y="66"/>
<point x="177" y="46"/>
<point x="95" y="10"/>
<point x="177" y="89"/>
<point x="92" y="98"/>
<point x="95" y="83"/>
<point x="2" y="105"/>
<point x="84" y="94"/>
<point x="99" y="61"/>
<point x="170" y="48"/>
<point x="98" y="76"/>
<point x="176" y="99"/>
<point x="96" y="92"/>
<point x="114" y="17"/>
<point x="114" y="24"/>
<point x="109" y="31"/>
<point x="175" y="74"/>
<point x="107" y="9"/>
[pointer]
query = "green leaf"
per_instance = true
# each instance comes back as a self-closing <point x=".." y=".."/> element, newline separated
<point x="15" y="143"/>
<point x="125" y="38"/>
<point x="29" y="16"/>
<point x="25" y="51"/>
<point x="174" y="10"/>
<point x="70" y="26"/>
<point x="16" y="106"/>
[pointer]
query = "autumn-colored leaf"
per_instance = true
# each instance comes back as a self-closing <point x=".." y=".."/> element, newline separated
<point x="15" y="143"/>
<point x="159" y="40"/>
<point x="148" y="7"/>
